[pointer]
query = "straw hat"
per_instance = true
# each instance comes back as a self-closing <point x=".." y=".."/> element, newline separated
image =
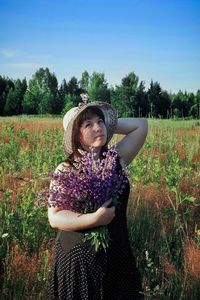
<point x="108" y="111"/>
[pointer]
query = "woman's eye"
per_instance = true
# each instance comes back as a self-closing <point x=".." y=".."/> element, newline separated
<point x="87" y="125"/>
<point x="100" y="121"/>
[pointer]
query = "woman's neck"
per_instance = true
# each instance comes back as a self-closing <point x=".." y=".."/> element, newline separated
<point x="96" y="152"/>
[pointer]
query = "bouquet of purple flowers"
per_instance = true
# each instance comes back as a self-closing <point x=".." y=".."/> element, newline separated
<point x="86" y="186"/>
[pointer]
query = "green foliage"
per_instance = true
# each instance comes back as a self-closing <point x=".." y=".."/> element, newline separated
<point x="98" y="88"/>
<point x="69" y="103"/>
<point x="23" y="225"/>
<point x="73" y="87"/>
<point x="84" y="82"/>
<point x="141" y="104"/>
<point x="5" y="85"/>
<point x="157" y="233"/>
<point x="14" y="98"/>
<point x="126" y="93"/>
<point x="159" y="101"/>
<point x="44" y="96"/>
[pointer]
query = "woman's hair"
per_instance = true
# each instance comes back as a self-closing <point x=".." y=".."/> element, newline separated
<point x="85" y="115"/>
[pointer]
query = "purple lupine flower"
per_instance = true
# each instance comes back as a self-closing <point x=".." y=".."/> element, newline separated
<point x="87" y="186"/>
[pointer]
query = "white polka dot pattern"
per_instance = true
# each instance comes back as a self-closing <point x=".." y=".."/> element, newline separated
<point x="83" y="274"/>
<point x="80" y="273"/>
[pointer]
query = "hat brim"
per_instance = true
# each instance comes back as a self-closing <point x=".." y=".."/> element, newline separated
<point x="110" y="115"/>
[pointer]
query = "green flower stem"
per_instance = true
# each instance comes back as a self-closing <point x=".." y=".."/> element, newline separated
<point x="98" y="237"/>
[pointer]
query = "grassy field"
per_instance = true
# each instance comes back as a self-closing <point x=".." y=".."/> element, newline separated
<point x="163" y="212"/>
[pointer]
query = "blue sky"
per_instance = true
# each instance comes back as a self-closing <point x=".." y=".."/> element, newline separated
<point x="157" y="39"/>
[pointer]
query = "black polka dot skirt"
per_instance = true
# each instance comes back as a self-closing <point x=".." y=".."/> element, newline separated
<point x="80" y="273"/>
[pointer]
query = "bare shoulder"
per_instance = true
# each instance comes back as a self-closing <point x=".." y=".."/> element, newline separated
<point x="63" y="166"/>
<point x="54" y="185"/>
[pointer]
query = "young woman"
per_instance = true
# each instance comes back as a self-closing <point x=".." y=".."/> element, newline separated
<point x="79" y="272"/>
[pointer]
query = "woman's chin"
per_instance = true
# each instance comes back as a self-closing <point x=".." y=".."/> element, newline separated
<point x="98" y="145"/>
<point x="101" y="141"/>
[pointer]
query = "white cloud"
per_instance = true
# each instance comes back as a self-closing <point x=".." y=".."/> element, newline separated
<point x="39" y="56"/>
<point x="13" y="53"/>
<point x="24" y="65"/>
<point x="8" y="53"/>
<point x="27" y="65"/>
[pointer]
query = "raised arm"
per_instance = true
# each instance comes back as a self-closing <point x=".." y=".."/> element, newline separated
<point x="135" y="131"/>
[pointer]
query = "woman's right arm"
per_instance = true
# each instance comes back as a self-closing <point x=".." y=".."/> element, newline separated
<point x="70" y="221"/>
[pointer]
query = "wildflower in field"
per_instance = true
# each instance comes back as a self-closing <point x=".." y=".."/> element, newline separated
<point x="87" y="186"/>
<point x="5" y="235"/>
<point x="197" y="231"/>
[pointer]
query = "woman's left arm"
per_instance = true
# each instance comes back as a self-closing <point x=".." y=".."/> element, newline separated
<point x="135" y="131"/>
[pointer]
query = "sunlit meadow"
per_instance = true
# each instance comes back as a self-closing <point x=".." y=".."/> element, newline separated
<point x="163" y="212"/>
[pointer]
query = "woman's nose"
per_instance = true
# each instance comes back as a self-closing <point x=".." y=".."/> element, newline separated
<point x="97" y="127"/>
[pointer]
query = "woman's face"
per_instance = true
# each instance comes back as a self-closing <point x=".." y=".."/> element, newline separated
<point x="93" y="133"/>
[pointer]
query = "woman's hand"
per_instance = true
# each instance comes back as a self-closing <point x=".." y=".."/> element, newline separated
<point x="104" y="214"/>
<point x="70" y="221"/>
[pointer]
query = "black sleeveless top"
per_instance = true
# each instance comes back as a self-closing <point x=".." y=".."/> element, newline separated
<point x="81" y="273"/>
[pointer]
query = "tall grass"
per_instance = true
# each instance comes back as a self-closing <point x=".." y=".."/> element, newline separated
<point x="163" y="211"/>
<point x="164" y="214"/>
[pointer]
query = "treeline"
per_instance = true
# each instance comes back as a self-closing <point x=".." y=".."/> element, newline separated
<point x="43" y="95"/>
